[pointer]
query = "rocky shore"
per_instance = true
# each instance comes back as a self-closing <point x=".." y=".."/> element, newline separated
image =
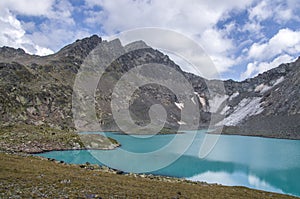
<point x="38" y="139"/>
<point x="235" y="130"/>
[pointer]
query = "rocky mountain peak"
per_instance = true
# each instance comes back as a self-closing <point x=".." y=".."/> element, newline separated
<point x="136" y="45"/>
<point x="11" y="52"/>
<point x="80" y="48"/>
<point x="38" y="90"/>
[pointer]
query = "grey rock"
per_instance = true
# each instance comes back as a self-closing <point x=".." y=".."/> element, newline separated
<point x="39" y="90"/>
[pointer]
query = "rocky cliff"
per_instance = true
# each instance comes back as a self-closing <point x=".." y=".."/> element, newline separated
<point x="40" y="91"/>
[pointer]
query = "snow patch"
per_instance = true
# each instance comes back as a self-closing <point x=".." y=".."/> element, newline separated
<point x="179" y="105"/>
<point x="225" y="109"/>
<point x="247" y="107"/>
<point x="202" y="101"/>
<point x="193" y="100"/>
<point x="181" y="122"/>
<point x="259" y="88"/>
<point x="278" y="81"/>
<point x="216" y="102"/>
<point x="262" y="88"/>
<point x="265" y="89"/>
<point x="234" y="95"/>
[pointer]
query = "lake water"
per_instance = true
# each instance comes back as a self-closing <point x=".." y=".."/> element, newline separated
<point x="260" y="163"/>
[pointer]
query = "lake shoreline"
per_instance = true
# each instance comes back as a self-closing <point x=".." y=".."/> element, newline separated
<point x="30" y="153"/>
<point x="211" y="132"/>
<point x="39" y="139"/>
<point x="234" y="130"/>
<point x="68" y="174"/>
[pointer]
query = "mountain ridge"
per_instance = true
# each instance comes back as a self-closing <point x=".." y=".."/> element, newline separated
<point x="38" y="90"/>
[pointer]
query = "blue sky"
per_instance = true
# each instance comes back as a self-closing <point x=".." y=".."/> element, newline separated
<point x="243" y="38"/>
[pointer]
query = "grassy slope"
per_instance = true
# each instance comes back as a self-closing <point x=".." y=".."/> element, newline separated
<point x="30" y="138"/>
<point x="35" y="139"/>
<point x="27" y="177"/>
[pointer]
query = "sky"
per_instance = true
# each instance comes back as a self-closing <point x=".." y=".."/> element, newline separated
<point x="242" y="38"/>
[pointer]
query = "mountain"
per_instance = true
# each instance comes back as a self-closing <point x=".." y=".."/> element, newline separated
<point x="58" y="90"/>
<point x="266" y="105"/>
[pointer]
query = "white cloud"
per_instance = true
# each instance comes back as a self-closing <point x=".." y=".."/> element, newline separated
<point x="285" y="41"/>
<point x="43" y="51"/>
<point x="261" y="11"/>
<point x="215" y="42"/>
<point x="48" y="8"/>
<point x="218" y="47"/>
<point x="56" y="29"/>
<point x="281" y="11"/>
<point x="252" y="27"/>
<point x="62" y="11"/>
<point x="12" y="31"/>
<point x="285" y="11"/>
<point x="12" y="34"/>
<point x="228" y="41"/>
<point x="255" y="68"/>
<point x="196" y="19"/>
<point x="191" y="17"/>
<point x="54" y="35"/>
<point x="32" y="7"/>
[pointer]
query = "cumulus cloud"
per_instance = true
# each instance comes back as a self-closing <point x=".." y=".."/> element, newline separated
<point x="56" y="29"/>
<point x="12" y="34"/>
<point x="266" y="52"/>
<point x="198" y="20"/>
<point x="194" y="19"/>
<point x="283" y="47"/>
<point x="260" y="12"/>
<point x="231" y="32"/>
<point x="218" y="47"/>
<point x="127" y="14"/>
<point x="285" y="41"/>
<point x="32" y="7"/>
<point x="253" y="27"/>
<point x="279" y="10"/>
<point x="191" y="18"/>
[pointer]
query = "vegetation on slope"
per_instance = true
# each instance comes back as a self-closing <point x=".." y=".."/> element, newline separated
<point x="36" y="139"/>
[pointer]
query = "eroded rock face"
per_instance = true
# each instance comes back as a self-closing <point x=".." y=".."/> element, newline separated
<point x="272" y="100"/>
<point x="38" y="90"/>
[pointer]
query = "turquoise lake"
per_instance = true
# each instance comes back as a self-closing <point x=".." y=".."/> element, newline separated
<point x="255" y="162"/>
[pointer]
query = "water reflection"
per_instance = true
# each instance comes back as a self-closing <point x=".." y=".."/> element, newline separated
<point x="266" y="164"/>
